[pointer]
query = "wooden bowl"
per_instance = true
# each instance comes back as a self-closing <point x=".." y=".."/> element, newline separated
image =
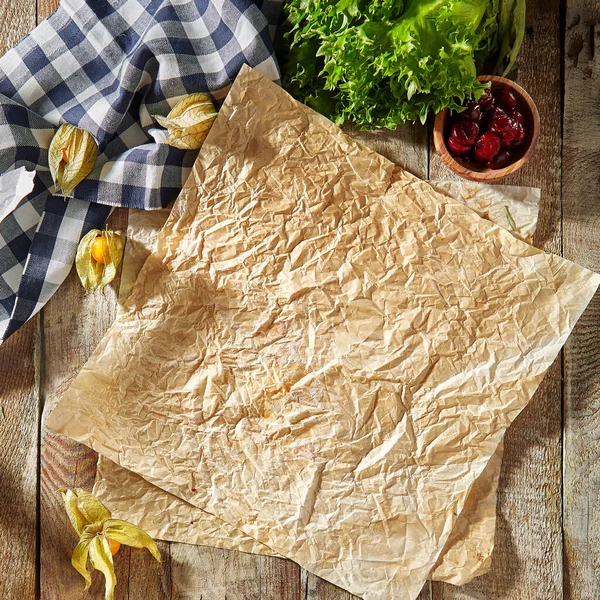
<point x="473" y="171"/>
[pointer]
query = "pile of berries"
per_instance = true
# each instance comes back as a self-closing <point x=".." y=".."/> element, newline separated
<point x="488" y="130"/>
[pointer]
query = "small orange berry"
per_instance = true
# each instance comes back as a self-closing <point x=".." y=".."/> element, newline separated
<point x="99" y="248"/>
<point x="114" y="546"/>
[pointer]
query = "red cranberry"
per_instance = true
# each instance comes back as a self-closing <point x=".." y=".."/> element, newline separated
<point x="457" y="148"/>
<point x="500" y="160"/>
<point x="487" y="146"/>
<point x="515" y="115"/>
<point x="487" y="101"/>
<point x="464" y="132"/>
<point x="506" y="99"/>
<point x="497" y="112"/>
<point x="474" y="112"/>
<point x="519" y="134"/>
<point x="503" y="125"/>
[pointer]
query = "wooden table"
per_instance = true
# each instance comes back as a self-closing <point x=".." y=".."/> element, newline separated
<point x="548" y="534"/>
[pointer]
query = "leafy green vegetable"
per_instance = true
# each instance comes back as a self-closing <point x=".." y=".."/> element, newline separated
<point x="511" y="31"/>
<point x="384" y="62"/>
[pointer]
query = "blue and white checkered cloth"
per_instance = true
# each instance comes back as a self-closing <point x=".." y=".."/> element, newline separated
<point x="108" y="66"/>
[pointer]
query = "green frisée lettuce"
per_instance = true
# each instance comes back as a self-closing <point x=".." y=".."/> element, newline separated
<point x="377" y="64"/>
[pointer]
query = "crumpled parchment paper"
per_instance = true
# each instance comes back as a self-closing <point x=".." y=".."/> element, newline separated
<point x="469" y="549"/>
<point x="142" y="232"/>
<point x="467" y="554"/>
<point x="493" y="201"/>
<point x="323" y="351"/>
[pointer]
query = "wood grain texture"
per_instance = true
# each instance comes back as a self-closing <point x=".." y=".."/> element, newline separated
<point x="73" y="323"/>
<point x="581" y="243"/>
<point x="199" y="572"/>
<point x="527" y="561"/>
<point x="17" y="19"/>
<point x="315" y="588"/>
<point x="19" y="407"/>
<point x="19" y="420"/>
<point x="45" y="8"/>
<point x="406" y="146"/>
<point x="215" y="574"/>
<point x="280" y="579"/>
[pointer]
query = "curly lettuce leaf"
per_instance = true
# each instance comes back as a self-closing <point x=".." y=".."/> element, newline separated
<point x="381" y="63"/>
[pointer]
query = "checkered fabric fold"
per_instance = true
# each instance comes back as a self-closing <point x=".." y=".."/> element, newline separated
<point x="109" y="66"/>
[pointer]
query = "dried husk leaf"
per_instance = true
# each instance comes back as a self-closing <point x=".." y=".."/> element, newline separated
<point x="189" y="137"/>
<point x="80" y="558"/>
<point x="76" y="517"/>
<point x="190" y="105"/>
<point x="71" y="157"/>
<point x="91" y="508"/>
<point x="94" y="275"/>
<point x="189" y="122"/>
<point x="130" y="535"/>
<point x="89" y="271"/>
<point x="92" y="520"/>
<point x="102" y="560"/>
<point x="113" y="255"/>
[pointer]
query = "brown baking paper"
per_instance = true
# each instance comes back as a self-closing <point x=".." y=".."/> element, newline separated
<point x="490" y="201"/>
<point x="323" y="351"/>
<point x="466" y="555"/>
<point x="468" y="551"/>
<point x="497" y="202"/>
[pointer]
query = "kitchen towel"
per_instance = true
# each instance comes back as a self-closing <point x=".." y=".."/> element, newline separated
<point x="107" y="66"/>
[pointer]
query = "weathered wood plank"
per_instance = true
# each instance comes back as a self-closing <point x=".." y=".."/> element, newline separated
<point x="73" y="322"/>
<point x="148" y="579"/>
<point x="280" y="579"/>
<point x="315" y="588"/>
<point x="407" y="146"/>
<point x="19" y="420"/>
<point x="17" y="19"/>
<point x="19" y="407"/>
<point x="581" y="242"/>
<point x="45" y="8"/>
<point x="213" y="574"/>
<point x="527" y="562"/>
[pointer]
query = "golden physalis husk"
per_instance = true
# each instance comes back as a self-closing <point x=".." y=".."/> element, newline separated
<point x="96" y="529"/>
<point x="189" y="122"/>
<point x="72" y="156"/>
<point x="96" y="274"/>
